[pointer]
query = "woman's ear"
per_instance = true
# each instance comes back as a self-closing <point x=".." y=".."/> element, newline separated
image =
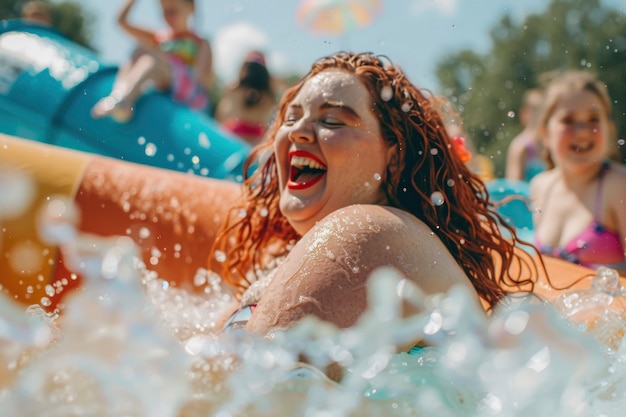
<point x="393" y="159"/>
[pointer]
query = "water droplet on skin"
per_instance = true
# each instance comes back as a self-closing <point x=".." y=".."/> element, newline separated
<point x="510" y="114"/>
<point x="437" y="198"/>
<point x="377" y="177"/>
<point x="45" y="301"/>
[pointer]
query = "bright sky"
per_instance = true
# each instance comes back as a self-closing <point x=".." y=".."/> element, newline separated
<point x="413" y="33"/>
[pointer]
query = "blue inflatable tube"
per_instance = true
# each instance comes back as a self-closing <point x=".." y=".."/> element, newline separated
<point x="513" y="204"/>
<point x="48" y="85"/>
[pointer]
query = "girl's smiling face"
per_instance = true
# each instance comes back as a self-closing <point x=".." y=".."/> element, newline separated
<point x="329" y="150"/>
<point x="577" y="130"/>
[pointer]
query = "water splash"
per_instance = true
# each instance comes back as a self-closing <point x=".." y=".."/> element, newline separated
<point x="129" y="345"/>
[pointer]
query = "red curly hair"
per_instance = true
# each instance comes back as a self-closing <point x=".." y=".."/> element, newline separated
<point x="467" y="223"/>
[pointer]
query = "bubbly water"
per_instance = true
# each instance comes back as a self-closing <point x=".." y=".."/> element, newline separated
<point x="130" y="345"/>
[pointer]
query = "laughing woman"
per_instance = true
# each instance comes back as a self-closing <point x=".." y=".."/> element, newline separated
<point x="357" y="172"/>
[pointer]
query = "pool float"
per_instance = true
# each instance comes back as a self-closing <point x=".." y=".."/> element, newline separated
<point x="48" y="85"/>
<point x="512" y="199"/>
<point x="172" y="217"/>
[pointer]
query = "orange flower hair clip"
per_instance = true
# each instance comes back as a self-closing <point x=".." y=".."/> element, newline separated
<point x="458" y="144"/>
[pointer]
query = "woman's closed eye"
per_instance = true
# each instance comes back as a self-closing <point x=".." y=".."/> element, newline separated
<point x="290" y="119"/>
<point x="331" y="121"/>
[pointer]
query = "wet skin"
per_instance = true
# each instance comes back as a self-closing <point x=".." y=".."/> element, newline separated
<point x="336" y="202"/>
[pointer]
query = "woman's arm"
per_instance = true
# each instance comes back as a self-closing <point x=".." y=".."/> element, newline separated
<point x="326" y="273"/>
<point x="142" y="36"/>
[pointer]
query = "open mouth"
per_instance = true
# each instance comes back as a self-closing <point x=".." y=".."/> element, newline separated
<point x="581" y="147"/>
<point x="305" y="170"/>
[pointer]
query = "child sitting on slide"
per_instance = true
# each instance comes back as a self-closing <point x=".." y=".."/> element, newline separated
<point x="175" y="60"/>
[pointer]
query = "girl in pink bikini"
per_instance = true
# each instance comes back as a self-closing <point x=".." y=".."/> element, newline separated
<point x="580" y="202"/>
<point x="175" y="60"/>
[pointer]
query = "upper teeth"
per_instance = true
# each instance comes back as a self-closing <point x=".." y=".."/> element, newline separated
<point x="305" y="161"/>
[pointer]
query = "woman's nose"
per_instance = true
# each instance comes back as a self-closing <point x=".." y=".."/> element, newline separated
<point x="302" y="131"/>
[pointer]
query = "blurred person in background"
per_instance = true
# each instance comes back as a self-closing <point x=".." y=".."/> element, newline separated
<point x="36" y="12"/>
<point x="580" y="200"/>
<point x="246" y="107"/>
<point x="176" y="60"/>
<point x="524" y="157"/>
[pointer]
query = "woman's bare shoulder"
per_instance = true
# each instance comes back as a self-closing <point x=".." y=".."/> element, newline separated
<point x="385" y="236"/>
<point x="371" y="221"/>
<point x="327" y="271"/>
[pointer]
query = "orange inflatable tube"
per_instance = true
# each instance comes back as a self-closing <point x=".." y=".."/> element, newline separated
<point x="171" y="214"/>
<point x="177" y="215"/>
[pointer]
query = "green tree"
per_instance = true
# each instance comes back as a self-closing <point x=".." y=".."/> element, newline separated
<point x="68" y="17"/>
<point x="569" y="34"/>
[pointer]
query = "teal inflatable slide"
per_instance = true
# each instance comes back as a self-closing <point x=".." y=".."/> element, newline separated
<point x="48" y="85"/>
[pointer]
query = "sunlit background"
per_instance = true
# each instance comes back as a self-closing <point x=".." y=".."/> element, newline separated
<point x="482" y="53"/>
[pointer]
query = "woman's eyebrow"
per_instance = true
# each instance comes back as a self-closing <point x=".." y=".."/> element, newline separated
<point x="340" y="105"/>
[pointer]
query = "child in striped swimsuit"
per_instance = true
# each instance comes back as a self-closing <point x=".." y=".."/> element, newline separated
<point x="176" y="60"/>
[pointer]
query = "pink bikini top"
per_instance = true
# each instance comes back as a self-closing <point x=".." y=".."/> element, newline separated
<point x="593" y="247"/>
